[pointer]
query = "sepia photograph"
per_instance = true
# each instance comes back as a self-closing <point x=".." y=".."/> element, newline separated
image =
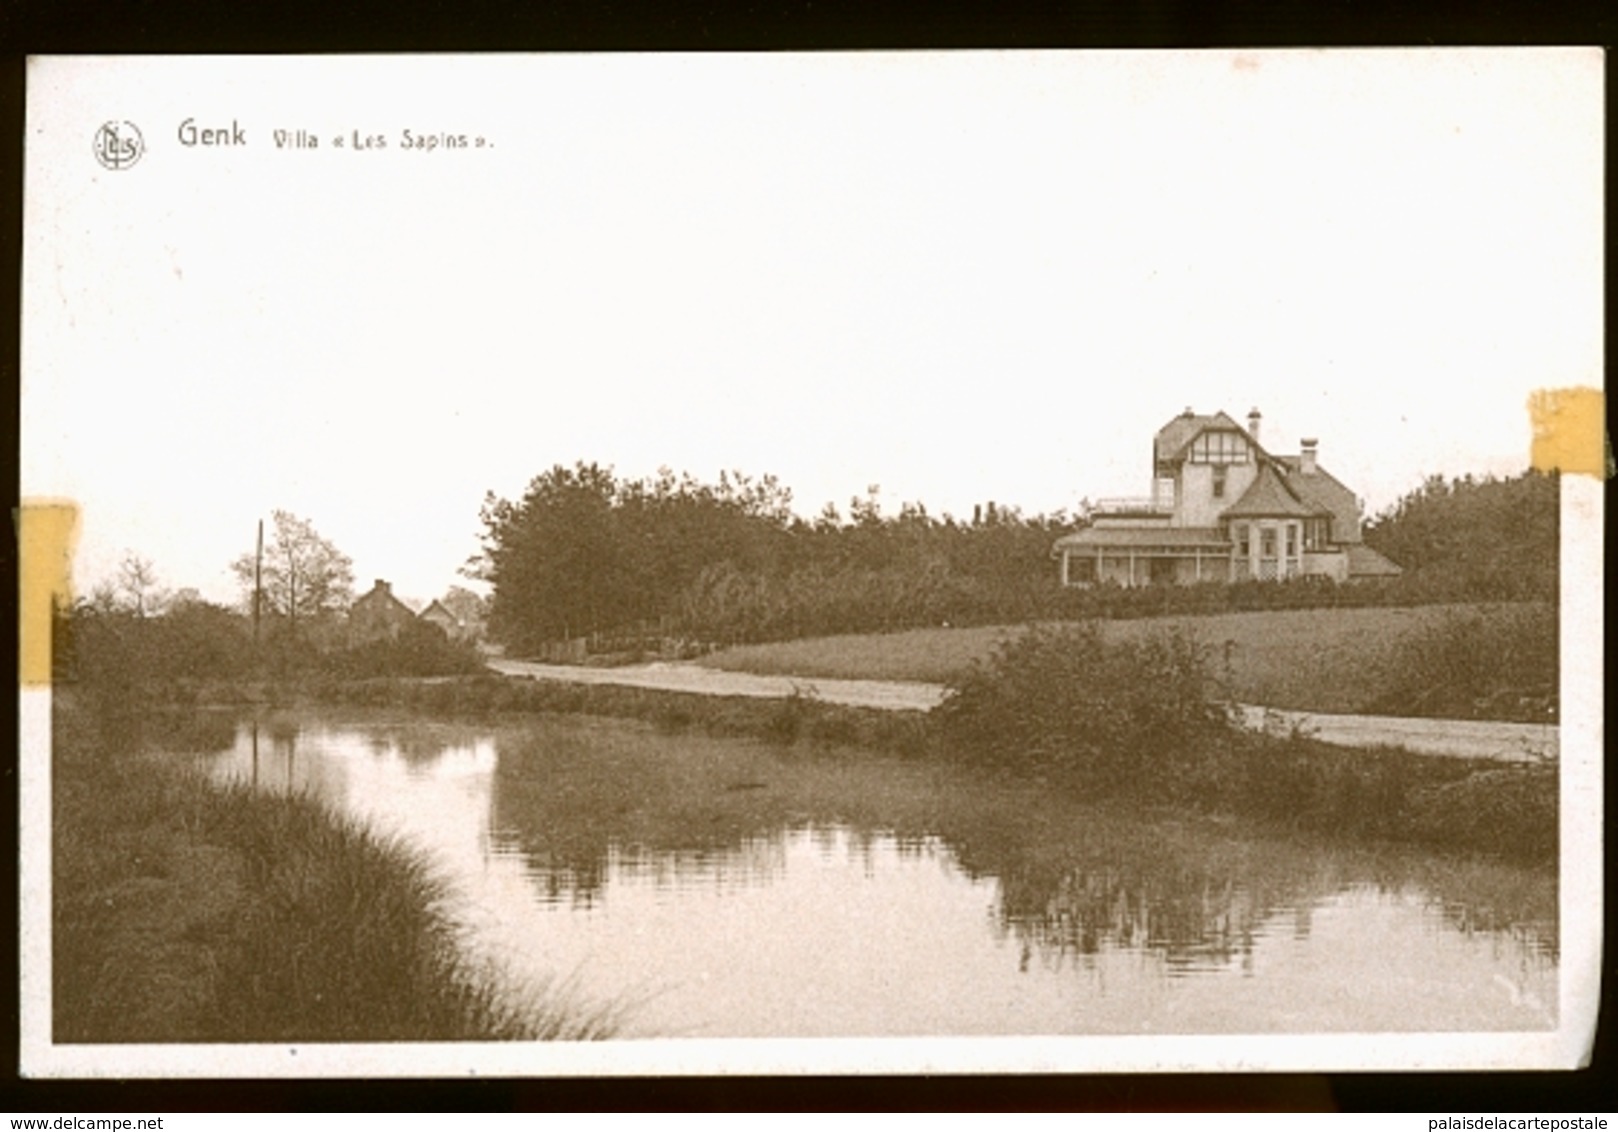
<point x="870" y="562"/>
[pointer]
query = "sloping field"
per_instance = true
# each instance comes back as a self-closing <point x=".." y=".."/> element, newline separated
<point x="1321" y="660"/>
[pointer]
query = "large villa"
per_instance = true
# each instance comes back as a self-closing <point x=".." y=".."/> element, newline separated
<point x="1223" y="509"/>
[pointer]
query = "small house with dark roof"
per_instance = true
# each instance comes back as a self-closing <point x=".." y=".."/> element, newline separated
<point x="378" y="616"/>
<point x="1223" y="509"/>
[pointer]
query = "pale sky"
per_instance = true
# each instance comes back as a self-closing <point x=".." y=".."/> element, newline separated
<point x="963" y="277"/>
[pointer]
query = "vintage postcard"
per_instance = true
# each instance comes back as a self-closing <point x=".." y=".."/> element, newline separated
<point x="826" y="563"/>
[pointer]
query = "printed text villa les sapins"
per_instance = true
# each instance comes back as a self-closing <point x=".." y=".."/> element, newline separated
<point x="193" y="135"/>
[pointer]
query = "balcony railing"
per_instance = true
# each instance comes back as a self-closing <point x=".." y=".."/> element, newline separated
<point x="1130" y="505"/>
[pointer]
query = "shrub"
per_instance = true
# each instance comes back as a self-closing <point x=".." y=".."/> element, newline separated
<point x="1496" y="664"/>
<point x="1111" y="716"/>
<point x="420" y="650"/>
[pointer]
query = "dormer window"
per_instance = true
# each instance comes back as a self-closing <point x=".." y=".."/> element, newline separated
<point x="1215" y="447"/>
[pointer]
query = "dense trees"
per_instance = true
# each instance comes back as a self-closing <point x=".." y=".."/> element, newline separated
<point x="1479" y="538"/>
<point x="585" y="552"/>
<point x="116" y="642"/>
<point x="871" y="574"/>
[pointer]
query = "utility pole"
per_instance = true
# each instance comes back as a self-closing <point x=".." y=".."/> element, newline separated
<point x="258" y="580"/>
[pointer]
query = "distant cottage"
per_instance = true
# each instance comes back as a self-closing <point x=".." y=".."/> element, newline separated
<point x="1224" y="510"/>
<point x="436" y="615"/>
<point x="378" y="616"/>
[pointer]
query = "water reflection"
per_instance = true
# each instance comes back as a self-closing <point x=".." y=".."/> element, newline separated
<point x="1200" y="900"/>
<point x="735" y="889"/>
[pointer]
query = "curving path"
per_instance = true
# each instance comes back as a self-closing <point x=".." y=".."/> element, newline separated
<point x="890" y="695"/>
<point x="1472" y="739"/>
<point x="1458" y="738"/>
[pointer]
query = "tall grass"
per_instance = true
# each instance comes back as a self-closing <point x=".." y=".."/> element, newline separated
<point x="187" y="911"/>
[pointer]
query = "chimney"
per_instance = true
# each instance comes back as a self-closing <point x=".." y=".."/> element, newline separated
<point x="1306" y="460"/>
<point x="1188" y="414"/>
<point x="1253" y="418"/>
<point x="383" y="587"/>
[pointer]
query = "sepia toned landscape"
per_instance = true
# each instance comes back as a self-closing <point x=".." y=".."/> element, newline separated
<point x="985" y="562"/>
<point x="347" y="822"/>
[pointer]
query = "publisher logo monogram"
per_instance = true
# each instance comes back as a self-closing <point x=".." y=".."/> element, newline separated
<point x="118" y="145"/>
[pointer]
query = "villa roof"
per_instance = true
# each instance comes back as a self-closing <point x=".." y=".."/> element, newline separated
<point x="1186" y="538"/>
<point x="1363" y="562"/>
<point x="1269" y="496"/>
<point x="1321" y="489"/>
<point x="1175" y="437"/>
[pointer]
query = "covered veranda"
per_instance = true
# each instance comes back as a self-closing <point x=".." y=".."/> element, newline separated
<point x="1135" y="556"/>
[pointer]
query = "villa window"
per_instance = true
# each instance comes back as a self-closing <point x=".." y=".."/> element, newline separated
<point x="1219" y="474"/>
<point x="1219" y="448"/>
<point x="1268" y="563"/>
<point x="1316" y="534"/>
<point x="1239" y="533"/>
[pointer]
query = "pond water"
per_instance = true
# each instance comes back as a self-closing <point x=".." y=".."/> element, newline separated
<point x="723" y="888"/>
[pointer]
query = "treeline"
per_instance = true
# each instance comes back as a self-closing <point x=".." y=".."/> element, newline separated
<point x="119" y="650"/>
<point x="584" y="553"/>
<point x="1488" y="538"/>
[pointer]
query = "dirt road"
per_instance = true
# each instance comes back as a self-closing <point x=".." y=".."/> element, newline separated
<point x="1460" y="738"/>
<point x="891" y="695"/>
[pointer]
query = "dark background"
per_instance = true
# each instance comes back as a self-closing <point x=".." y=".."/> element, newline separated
<point x="280" y="26"/>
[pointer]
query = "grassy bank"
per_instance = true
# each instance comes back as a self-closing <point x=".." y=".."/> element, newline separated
<point x="186" y="911"/>
<point x="1289" y="782"/>
<point x="1141" y="719"/>
<point x="1461" y="661"/>
<point x="777" y="720"/>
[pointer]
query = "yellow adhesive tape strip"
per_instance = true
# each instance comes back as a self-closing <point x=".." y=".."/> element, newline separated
<point x="47" y="532"/>
<point x="1570" y="431"/>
